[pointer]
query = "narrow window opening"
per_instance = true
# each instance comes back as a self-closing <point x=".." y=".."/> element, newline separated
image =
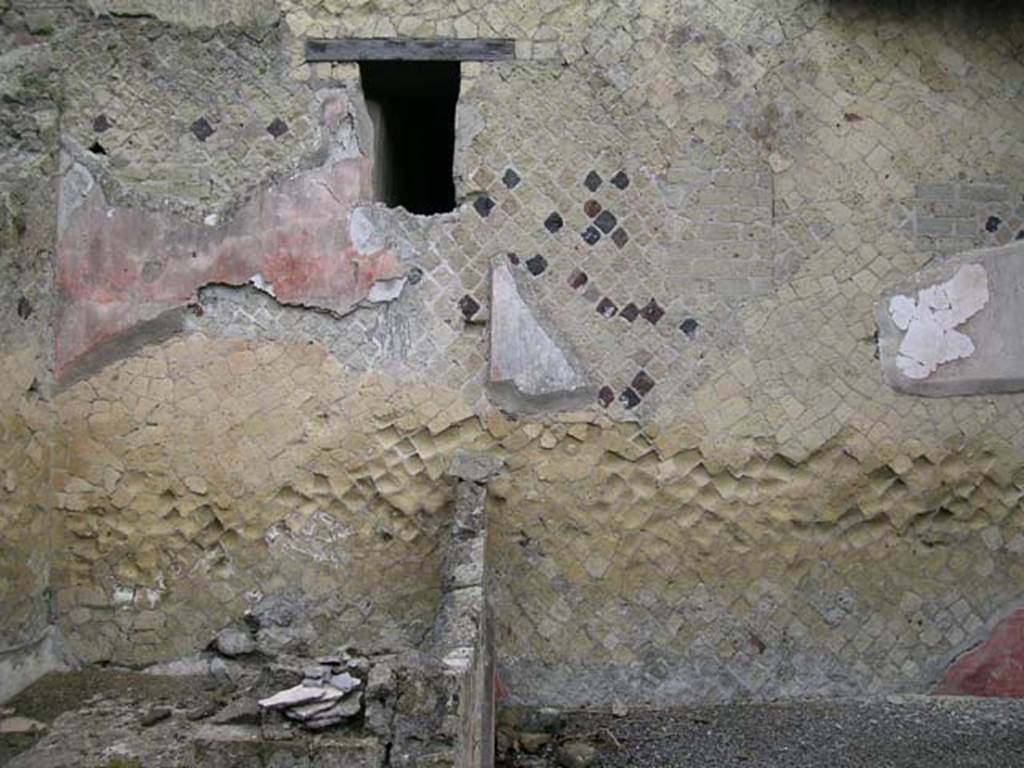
<point x="412" y="105"/>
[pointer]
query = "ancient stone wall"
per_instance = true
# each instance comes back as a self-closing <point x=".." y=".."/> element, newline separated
<point x="263" y="374"/>
<point x="30" y="96"/>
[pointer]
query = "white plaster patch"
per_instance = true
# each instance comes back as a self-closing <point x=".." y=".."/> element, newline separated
<point x="75" y="186"/>
<point x="260" y="284"/>
<point x="930" y="321"/>
<point x="123" y="596"/>
<point x="319" y="537"/>
<point x="386" y="290"/>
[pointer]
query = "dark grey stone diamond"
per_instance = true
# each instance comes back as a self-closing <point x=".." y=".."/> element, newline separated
<point x="689" y="328"/>
<point x="202" y="129"/>
<point x="277" y="128"/>
<point x="652" y="313"/>
<point x="483" y="205"/>
<point x="536" y="265"/>
<point x="606" y="221"/>
<point x="469" y="306"/>
<point x="577" y="279"/>
<point x="606" y="308"/>
<point x="510" y="179"/>
<point x="629" y="398"/>
<point x="643" y="383"/>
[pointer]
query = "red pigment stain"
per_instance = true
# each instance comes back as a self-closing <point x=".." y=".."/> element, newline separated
<point x="995" y="668"/>
<point x="119" y="267"/>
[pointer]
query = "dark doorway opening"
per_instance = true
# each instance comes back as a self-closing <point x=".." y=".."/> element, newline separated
<point x="412" y="104"/>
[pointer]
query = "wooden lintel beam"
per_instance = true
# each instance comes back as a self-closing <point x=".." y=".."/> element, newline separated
<point x="409" y="49"/>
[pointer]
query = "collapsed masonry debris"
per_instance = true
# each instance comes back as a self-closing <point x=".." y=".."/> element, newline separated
<point x="256" y="697"/>
<point x="326" y="696"/>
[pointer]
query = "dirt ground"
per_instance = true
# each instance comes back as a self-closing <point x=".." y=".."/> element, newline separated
<point x="894" y="732"/>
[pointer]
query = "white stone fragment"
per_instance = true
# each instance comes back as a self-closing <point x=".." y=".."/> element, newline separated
<point x="930" y="321"/>
<point x="260" y="283"/>
<point x="522" y="352"/>
<point x="300" y="694"/>
<point x="459" y="659"/>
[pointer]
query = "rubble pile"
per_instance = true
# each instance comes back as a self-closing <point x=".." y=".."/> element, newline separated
<point x="329" y="694"/>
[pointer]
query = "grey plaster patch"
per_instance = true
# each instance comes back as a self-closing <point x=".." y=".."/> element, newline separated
<point x="954" y="329"/>
<point x="526" y="363"/>
<point x="364" y="233"/>
<point x="475" y="467"/>
<point x="75" y="185"/>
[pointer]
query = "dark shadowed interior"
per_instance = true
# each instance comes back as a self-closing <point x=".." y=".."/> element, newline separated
<point x="412" y="104"/>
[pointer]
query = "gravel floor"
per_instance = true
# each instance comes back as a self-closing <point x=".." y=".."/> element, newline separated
<point x="898" y="732"/>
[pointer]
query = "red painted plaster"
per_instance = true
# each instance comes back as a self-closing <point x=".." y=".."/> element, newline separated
<point x="995" y="668"/>
<point x="119" y="267"/>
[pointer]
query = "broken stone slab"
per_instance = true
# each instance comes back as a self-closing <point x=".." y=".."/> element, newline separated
<point x="309" y="711"/>
<point x="321" y="715"/>
<point x="954" y="328"/>
<point x="344" y="682"/>
<point x="299" y="694"/>
<point x="529" y="368"/>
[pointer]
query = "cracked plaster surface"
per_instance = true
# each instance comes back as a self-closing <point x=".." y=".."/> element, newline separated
<point x="119" y="267"/>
